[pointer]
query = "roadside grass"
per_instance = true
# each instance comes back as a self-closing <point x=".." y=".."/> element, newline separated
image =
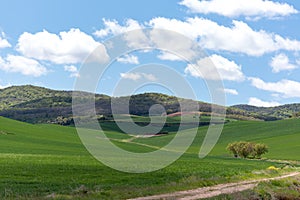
<point x="287" y="189"/>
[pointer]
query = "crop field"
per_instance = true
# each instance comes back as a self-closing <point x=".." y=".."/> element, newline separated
<point x="40" y="161"/>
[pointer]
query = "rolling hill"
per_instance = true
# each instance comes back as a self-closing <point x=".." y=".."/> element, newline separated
<point x="279" y="112"/>
<point x="41" y="105"/>
<point x="48" y="161"/>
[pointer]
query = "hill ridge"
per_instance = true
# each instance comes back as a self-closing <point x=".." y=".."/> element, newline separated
<point x="37" y="104"/>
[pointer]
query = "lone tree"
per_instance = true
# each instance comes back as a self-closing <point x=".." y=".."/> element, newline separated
<point x="260" y="149"/>
<point x="233" y="148"/>
<point x="247" y="149"/>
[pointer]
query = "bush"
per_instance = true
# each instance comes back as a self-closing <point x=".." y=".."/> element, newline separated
<point x="233" y="148"/>
<point x="260" y="149"/>
<point x="247" y="149"/>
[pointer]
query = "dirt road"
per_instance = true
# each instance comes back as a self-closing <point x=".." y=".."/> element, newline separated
<point x="207" y="192"/>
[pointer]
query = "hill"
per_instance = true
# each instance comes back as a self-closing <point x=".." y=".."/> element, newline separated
<point x="277" y="112"/>
<point x="41" y="105"/>
<point x="42" y="160"/>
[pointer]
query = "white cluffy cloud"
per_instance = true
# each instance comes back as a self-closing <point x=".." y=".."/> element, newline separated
<point x="128" y="59"/>
<point x="286" y="88"/>
<point x="112" y="27"/>
<point x="131" y="29"/>
<point x="169" y="56"/>
<point x="238" y="38"/>
<point x="206" y="68"/>
<point x="23" y="65"/>
<point x="236" y="8"/>
<point x="3" y="42"/>
<point x="66" y="48"/>
<point x="280" y="63"/>
<point x="253" y="101"/>
<point x="231" y="91"/>
<point x="137" y="76"/>
<point x="72" y="69"/>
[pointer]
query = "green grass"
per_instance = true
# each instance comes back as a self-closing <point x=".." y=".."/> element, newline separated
<point x="39" y="160"/>
<point x="277" y="189"/>
<point x="282" y="137"/>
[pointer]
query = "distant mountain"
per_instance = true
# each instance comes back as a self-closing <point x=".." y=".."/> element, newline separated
<point x="41" y="105"/>
<point x="278" y="112"/>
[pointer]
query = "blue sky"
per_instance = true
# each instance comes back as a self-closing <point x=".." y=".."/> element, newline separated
<point x="254" y="44"/>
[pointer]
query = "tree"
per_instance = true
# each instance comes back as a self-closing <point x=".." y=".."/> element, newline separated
<point x="247" y="149"/>
<point x="233" y="148"/>
<point x="260" y="149"/>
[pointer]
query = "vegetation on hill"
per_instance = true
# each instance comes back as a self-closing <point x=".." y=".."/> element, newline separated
<point x="278" y="112"/>
<point x="41" y="105"/>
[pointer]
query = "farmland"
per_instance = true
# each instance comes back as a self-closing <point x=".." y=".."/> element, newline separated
<point x="49" y="160"/>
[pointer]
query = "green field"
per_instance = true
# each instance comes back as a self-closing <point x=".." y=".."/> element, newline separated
<point x="41" y="160"/>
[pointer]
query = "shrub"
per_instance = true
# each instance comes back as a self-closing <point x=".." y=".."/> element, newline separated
<point x="260" y="149"/>
<point x="247" y="149"/>
<point x="233" y="148"/>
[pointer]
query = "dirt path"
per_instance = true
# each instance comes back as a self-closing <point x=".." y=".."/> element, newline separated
<point x="130" y="140"/>
<point x="207" y="192"/>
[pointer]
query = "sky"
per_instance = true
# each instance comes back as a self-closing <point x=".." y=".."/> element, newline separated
<point x="255" y="45"/>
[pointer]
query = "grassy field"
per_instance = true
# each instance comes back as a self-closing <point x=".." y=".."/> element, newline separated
<point x="37" y="161"/>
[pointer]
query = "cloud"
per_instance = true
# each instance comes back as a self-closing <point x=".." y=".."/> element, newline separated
<point x="135" y="39"/>
<point x="238" y="38"/>
<point x="66" y="48"/>
<point x="112" y="27"/>
<point x="287" y="88"/>
<point x="5" y="86"/>
<point x="3" y="42"/>
<point x="137" y="76"/>
<point x="149" y="77"/>
<point x="280" y="63"/>
<point x="169" y="56"/>
<point x="23" y="65"/>
<point x="231" y="91"/>
<point x="259" y="103"/>
<point x="236" y="8"/>
<point x="174" y="46"/>
<point x="205" y="68"/>
<point x="72" y="69"/>
<point x="128" y="59"/>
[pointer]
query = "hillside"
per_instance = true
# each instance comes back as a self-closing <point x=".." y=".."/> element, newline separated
<point x="45" y="159"/>
<point x="279" y="112"/>
<point x="41" y="105"/>
<point x="29" y="96"/>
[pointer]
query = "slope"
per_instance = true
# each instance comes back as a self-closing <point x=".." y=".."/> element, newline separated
<point x="41" y="160"/>
<point x="41" y="105"/>
<point x="279" y="112"/>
